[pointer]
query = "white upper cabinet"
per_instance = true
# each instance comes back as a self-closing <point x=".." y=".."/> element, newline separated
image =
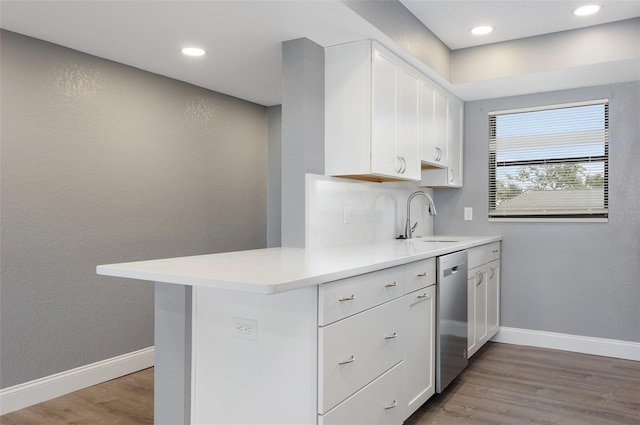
<point x="432" y="127"/>
<point x="448" y="127"/>
<point x="371" y="114"/>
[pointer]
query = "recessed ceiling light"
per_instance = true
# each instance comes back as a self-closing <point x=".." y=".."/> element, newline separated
<point x="193" y="51"/>
<point x="587" y="10"/>
<point x="482" y="30"/>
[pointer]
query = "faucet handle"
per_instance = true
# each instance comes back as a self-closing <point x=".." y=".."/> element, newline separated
<point x="414" y="227"/>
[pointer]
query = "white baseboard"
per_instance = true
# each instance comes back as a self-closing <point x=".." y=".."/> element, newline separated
<point x="579" y="344"/>
<point x="39" y="390"/>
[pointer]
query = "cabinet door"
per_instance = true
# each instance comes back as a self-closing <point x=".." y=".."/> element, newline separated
<point x="407" y="140"/>
<point x="420" y="347"/>
<point x="454" y="142"/>
<point x="383" y="120"/>
<point x="426" y="124"/>
<point x="472" y="342"/>
<point x="476" y="308"/>
<point x="440" y="137"/>
<point x="493" y="298"/>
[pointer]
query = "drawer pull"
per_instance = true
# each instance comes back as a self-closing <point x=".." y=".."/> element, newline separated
<point x="351" y="360"/>
<point x="393" y="404"/>
<point x="495" y="251"/>
<point x="422" y="274"/>
<point x="479" y="279"/>
<point x="493" y="272"/>
<point x="350" y="298"/>
<point x="391" y="285"/>
<point x="421" y="296"/>
<point x="393" y="335"/>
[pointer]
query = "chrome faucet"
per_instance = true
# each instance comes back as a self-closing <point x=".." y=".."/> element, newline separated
<point x="431" y="209"/>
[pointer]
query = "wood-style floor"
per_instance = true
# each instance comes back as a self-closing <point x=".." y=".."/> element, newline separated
<point x="511" y="384"/>
<point x="504" y="384"/>
<point x="124" y="401"/>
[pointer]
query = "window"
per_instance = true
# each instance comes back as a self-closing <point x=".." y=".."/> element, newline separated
<point x="550" y="162"/>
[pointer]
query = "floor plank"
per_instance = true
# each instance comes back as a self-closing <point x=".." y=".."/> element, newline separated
<point x="504" y="384"/>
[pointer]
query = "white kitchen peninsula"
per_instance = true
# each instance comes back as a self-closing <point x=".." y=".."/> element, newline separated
<point x="265" y="332"/>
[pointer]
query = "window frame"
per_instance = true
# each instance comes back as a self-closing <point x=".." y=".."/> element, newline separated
<point x="540" y="214"/>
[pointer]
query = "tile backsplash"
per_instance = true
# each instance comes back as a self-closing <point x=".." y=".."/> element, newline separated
<point x="347" y="212"/>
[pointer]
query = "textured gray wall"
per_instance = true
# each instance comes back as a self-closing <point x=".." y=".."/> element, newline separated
<point x="104" y="163"/>
<point x="573" y="278"/>
<point x="302" y="131"/>
<point x="274" y="177"/>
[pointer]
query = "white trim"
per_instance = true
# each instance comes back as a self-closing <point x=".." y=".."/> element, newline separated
<point x="556" y="106"/>
<point x="579" y="344"/>
<point x="42" y="389"/>
<point x="516" y="219"/>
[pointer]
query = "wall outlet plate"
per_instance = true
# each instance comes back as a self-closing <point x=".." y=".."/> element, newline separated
<point x="468" y="213"/>
<point x="245" y="328"/>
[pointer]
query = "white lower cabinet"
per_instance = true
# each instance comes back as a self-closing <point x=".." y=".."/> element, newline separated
<point x="419" y="356"/>
<point x="483" y="308"/>
<point x="360" y="350"/>
<point x="377" y="364"/>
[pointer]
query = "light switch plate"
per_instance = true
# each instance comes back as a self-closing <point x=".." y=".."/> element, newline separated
<point x="468" y="213"/>
<point x="346" y="214"/>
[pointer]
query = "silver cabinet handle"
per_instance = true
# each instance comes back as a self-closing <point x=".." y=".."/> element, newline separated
<point x="422" y="274"/>
<point x="404" y="165"/>
<point x="394" y="403"/>
<point x="493" y="272"/>
<point x="495" y="251"/>
<point x="453" y="175"/>
<point x="391" y="285"/>
<point x="349" y="298"/>
<point x="480" y="277"/>
<point x="438" y="154"/>
<point x="421" y="296"/>
<point x="351" y="360"/>
<point x="392" y="336"/>
<point x="399" y="169"/>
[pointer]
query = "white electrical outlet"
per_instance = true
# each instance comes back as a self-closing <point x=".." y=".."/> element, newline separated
<point x="468" y="213"/>
<point x="245" y="328"/>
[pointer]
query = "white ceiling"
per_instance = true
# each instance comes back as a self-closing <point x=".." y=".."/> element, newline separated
<point x="452" y="20"/>
<point x="243" y="38"/>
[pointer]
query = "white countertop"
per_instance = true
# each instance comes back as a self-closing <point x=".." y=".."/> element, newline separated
<point x="274" y="270"/>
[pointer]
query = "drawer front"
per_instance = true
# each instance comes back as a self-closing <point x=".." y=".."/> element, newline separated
<point x="483" y="254"/>
<point x="355" y="351"/>
<point x="346" y="297"/>
<point x="380" y="402"/>
<point x="419" y="274"/>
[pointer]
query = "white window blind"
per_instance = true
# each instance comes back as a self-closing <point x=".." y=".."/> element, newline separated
<point x="550" y="162"/>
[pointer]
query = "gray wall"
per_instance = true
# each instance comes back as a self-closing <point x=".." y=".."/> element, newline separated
<point x="103" y="163"/>
<point x="302" y="132"/>
<point x="573" y="278"/>
<point x="274" y="177"/>
<point x="397" y="22"/>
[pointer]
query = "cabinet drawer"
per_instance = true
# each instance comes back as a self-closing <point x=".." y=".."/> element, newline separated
<point x="380" y="402"/>
<point x="419" y="274"/>
<point x="345" y="297"/>
<point x="355" y="351"/>
<point x="483" y="254"/>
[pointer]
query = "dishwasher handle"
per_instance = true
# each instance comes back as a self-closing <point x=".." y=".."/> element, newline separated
<point x="452" y="270"/>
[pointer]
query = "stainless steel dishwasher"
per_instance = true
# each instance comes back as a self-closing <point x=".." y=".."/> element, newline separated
<point x="451" y="327"/>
